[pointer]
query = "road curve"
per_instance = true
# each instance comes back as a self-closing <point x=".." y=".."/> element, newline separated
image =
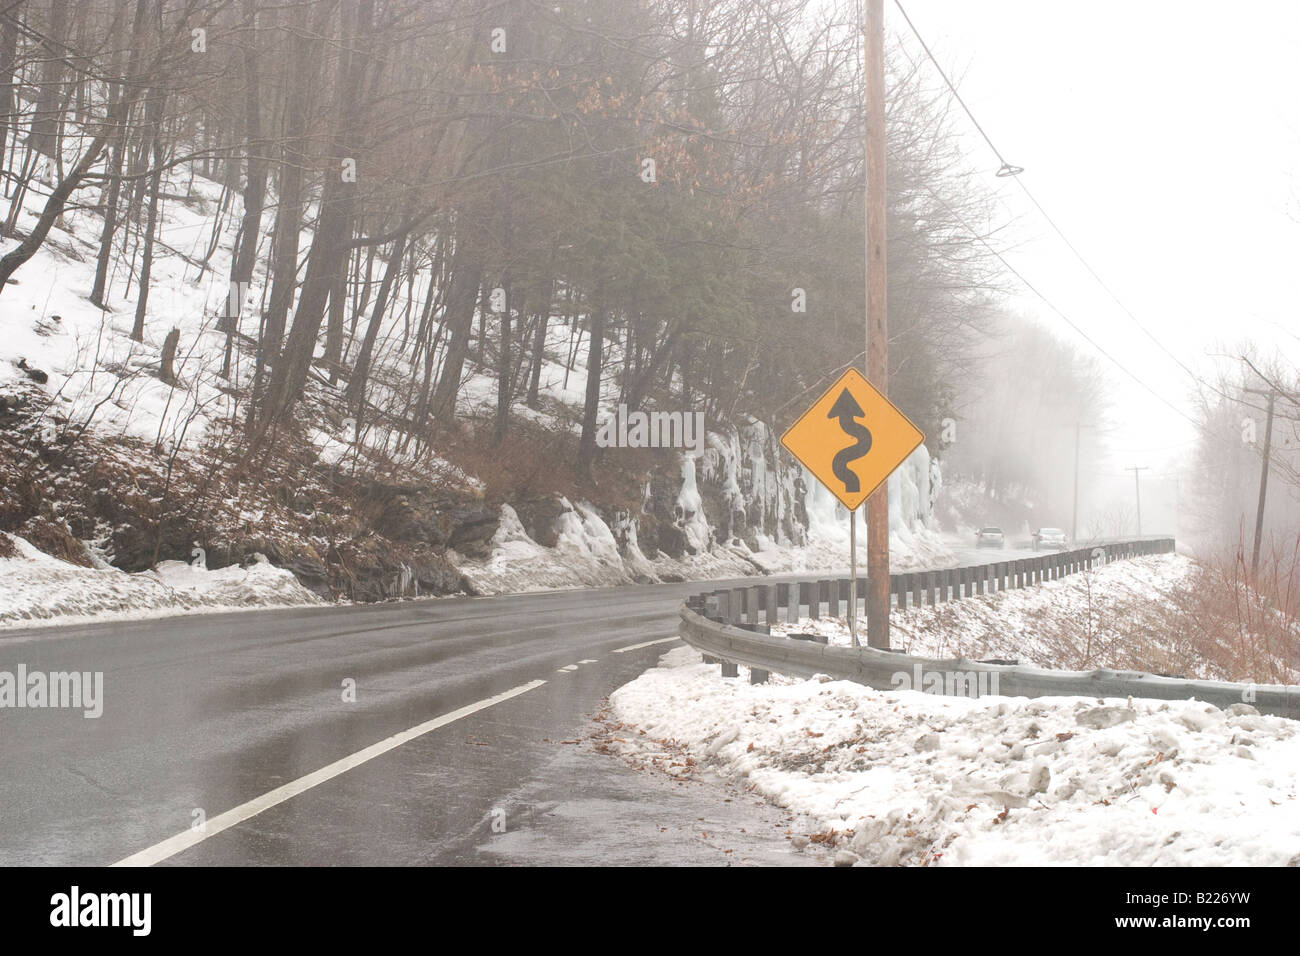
<point x="226" y="738"/>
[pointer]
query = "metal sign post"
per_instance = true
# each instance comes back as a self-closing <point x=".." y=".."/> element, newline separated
<point x="853" y="576"/>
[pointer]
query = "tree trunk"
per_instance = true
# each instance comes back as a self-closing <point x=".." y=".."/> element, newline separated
<point x="539" y="348"/>
<point x="49" y="110"/>
<point x="289" y="219"/>
<point x="153" y="114"/>
<point x="8" y="88"/>
<point x="330" y="248"/>
<point x="356" y="393"/>
<point x="167" y="370"/>
<point x="595" y="364"/>
<point x="462" y="296"/>
<point x="505" y="378"/>
<point x="250" y="228"/>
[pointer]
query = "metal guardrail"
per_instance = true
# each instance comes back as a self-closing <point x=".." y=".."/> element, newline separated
<point x="732" y="627"/>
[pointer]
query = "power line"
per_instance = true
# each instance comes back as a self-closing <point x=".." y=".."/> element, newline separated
<point x="1008" y="170"/>
<point x="1051" y="305"/>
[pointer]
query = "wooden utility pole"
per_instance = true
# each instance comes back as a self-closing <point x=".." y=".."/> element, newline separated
<point x="1138" y="491"/>
<point x="877" y="598"/>
<point x="1263" y="477"/>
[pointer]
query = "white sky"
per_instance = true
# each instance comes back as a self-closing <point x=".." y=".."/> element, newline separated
<point x="1164" y="139"/>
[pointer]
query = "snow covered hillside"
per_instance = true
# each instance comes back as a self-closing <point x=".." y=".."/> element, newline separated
<point x="113" y="458"/>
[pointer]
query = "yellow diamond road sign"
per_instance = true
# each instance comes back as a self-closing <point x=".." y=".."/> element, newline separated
<point x="852" y="438"/>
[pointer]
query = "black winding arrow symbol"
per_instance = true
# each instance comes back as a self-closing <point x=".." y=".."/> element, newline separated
<point x="846" y="409"/>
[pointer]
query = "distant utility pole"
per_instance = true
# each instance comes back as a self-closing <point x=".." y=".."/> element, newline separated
<point x="877" y="325"/>
<point x="1137" y="489"/>
<point x="1263" y="476"/>
<point x="1074" y="515"/>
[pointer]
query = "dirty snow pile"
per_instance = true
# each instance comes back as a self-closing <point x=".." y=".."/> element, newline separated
<point x="915" y="779"/>
<point x="41" y="590"/>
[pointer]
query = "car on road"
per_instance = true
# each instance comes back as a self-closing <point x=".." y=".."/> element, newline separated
<point x="990" y="538"/>
<point x="1052" y="538"/>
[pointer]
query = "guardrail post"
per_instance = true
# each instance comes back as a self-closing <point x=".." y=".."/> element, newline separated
<point x="808" y="595"/>
<point x="831" y="591"/>
<point x="783" y="601"/>
<point x="918" y="588"/>
<point x="904" y="586"/>
<point x="729" y="669"/>
<point x="770" y="607"/>
<point x="716" y="605"/>
<point x="758" y="676"/>
<point x="752" y="604"/>
<point x="945" y="579"/>
<point x="737" y="605"/>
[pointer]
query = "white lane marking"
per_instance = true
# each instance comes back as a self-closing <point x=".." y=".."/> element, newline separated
<point x="589" y="660"/>
<point x="183" y="841"/>
<point x="566" y="668"/>
<point x="637" y="647"/>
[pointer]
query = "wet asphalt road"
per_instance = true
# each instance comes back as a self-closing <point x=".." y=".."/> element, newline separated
<point x="206" y="713"/>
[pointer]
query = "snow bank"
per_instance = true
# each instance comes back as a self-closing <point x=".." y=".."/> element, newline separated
<point x="909" y="778"/>
<point x="42" y="590"/>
